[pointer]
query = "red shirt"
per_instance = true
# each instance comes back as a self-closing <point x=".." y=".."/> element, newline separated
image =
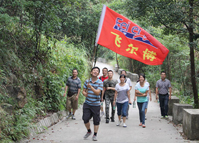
<point x="103" y="78"/>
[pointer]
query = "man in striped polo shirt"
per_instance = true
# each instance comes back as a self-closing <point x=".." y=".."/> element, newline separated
<point x="73" y="85"/>
<point x="91" y="108"/>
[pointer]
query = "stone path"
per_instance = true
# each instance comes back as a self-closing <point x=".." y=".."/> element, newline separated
<point x="157" y="130"/>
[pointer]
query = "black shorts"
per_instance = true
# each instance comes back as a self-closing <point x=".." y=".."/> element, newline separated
<point x="89" y="112"/>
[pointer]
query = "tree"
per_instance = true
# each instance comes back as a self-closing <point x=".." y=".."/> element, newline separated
<point x="174" y="16"/>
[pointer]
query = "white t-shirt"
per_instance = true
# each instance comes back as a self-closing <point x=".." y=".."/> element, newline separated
<point x="128" y="81"/>
<point x="122" y="93"/>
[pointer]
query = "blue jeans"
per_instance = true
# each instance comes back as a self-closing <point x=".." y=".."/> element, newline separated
<point x="122" y="107"/>
<point x="164" y="99"/>
<point x="141" y="107"/>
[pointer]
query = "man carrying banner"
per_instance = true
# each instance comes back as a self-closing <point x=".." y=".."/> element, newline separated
<point x="91" y="107"/>
<point x="102" y="78"/>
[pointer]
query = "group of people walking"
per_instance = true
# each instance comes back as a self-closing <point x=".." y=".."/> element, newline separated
<point x="116" y="93"/>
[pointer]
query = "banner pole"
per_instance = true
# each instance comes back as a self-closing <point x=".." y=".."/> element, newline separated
<point x="94" y="53"/>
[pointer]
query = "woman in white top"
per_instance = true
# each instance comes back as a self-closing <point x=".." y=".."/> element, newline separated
<point x="122" y="93"/>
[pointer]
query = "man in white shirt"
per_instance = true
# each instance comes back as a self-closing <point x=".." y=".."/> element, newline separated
<point x="128" y="81"/>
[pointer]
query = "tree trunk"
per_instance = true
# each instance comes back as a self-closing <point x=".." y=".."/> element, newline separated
<point x="191" y="46"/>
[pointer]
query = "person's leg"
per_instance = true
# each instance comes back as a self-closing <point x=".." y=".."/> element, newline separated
<point x="87" y="125"/>
<point x="124" y="112"/>
<point x="166" y="100"/>
<point x="68" y="107"/>
<point x="140" y="109"/>
<point x="86" y="117"/>
<point x="107" y="103"/>
<point x="143" y="112"/>
<point x="161" y="99"/>
<point x="127" y="112"/>
<point x="119" y="106"/>
<point x="74" y="105"/>
<point x="113" y="110"/>
<point x="146" y="106"/>
<point x="96" y="120"/>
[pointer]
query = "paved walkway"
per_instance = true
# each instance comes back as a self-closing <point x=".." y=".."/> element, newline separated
<point x="157" y="130"/>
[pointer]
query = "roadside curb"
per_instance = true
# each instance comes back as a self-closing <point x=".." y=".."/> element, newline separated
<point x="43" y="125"/>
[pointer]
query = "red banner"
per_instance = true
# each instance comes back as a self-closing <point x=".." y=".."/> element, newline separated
<point x="124" y="37"/>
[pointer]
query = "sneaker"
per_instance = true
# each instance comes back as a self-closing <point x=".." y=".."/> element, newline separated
<point x="73" y="117"/>
<point x="140" y="124"/>
<point x="162" y="117"/>
<point x="145" y="118"/>
<point x="107" y="121"/>
<point x="124" y="125"/>
<point x="143" y="126"/>
<point x="69" y="115"/>
<point x="119" y="122"/>
<point x="94" y="138"/>
<point x="87" y="135"/>
<point x="166" y="117"/>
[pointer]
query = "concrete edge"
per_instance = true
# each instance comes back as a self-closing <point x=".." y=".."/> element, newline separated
<point x="44" y="124"/>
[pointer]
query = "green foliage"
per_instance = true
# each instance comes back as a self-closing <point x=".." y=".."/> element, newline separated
<point x="36" y="57"/>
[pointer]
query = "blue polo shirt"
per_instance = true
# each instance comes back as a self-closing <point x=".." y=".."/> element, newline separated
<point x="92" y="99"/>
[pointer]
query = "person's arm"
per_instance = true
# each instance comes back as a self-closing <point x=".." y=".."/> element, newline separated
<point x="150" y="94"/>
<point x="96" y="91"/>
<point x="84" y="92"/>
<point x="110" y="88"/>
<point x="78" y="92"/>
<point x="130" y="84"/>
<point x="128" y="93"/>
<point x="138" y="93"/>
<point x="102" y="98"/>
<point x="66" y="88"/>
<point x="115" y="96"/>
<point x="170" y="92"/>
<point x="156" y="91"/>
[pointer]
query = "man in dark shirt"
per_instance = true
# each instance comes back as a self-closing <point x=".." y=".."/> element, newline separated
<point x="109" y="88"/>
<point x="73" y="85"/>
<point x="162" y="87"/>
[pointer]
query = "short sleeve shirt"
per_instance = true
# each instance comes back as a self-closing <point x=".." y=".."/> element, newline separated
<point x="163" y="86"/>
<point x="109" y="83"/>
<point x="122" y="93"/>
<point x="142" y="99"/>
<point x="73" y="85"/>
<point x="128" y="81"/>
<point x="92" y="99"/>
<point x="103" y="78"/>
